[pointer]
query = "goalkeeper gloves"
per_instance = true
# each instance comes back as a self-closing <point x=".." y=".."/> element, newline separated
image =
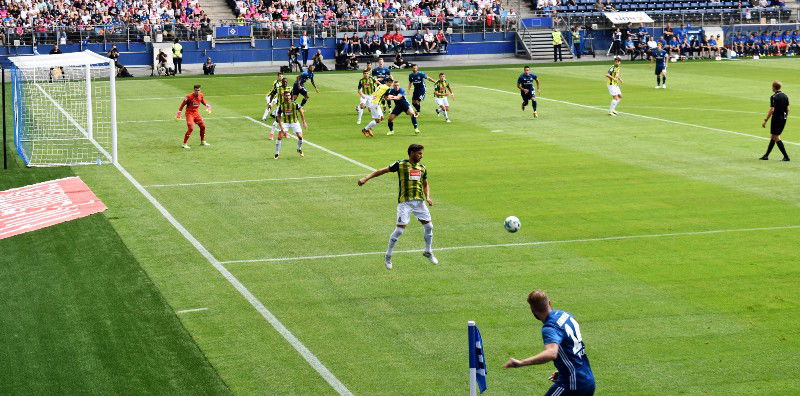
<point x="178" y="116"/>
<point x="208" y="109"/>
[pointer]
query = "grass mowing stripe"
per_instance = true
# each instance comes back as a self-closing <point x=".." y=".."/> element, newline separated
<point x="240" y="287"/>
<point x="247" y="181"/>
<point x="639" y="115"/>
<point x="367" y="167"/>
<point x="535" y="243"/>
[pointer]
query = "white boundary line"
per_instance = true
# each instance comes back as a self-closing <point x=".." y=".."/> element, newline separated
<point x="247" y="181"/>
<point x="348" y="159"/>
<point x="638" y="115"/>
<point x="240" y="287"/>
<point x="190" y="310"/>
<point x="209" y="117"/>
<point x="536" y="243"/>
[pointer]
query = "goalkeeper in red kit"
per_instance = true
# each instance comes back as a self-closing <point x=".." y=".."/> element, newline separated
<point x="192" y="103"/>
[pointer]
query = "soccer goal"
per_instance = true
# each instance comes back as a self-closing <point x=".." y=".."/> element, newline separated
<point x="65" y="109"/>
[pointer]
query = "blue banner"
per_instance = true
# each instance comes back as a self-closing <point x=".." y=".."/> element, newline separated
<point x="537" y="22"/>
<point x="233" y="31"/>
<point x="476" y="358"/>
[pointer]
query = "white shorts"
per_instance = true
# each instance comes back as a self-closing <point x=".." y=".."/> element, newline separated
<point x="417" y="207"/>
<point x="366" y="100"/>
<point x="442" y="101"/>
<point x="614" y="90"/>
<point x="275" y="109"/>
<point x="295" y="127"/>
<point x="375" y="110"/>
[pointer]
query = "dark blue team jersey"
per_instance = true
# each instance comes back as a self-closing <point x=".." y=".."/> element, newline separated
<point x="401" y="92"/>
<point x="574" y="372"/>
<point x="527" y="81"/>
<point x="381" y="72"/>
<point x="418" y="79"/>
<point x="661" y="57"/>
<point x="305" y="76"/>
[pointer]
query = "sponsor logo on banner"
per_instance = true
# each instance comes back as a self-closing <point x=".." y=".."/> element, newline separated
<point x="625" y="17"/>
<point x="41" y="205"/>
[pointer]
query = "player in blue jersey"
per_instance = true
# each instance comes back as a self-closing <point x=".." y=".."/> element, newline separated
<point x="662" y="60"/>
<point x="381" y="72"/>
<point x="525" y="86"/>
<point x="401" y="105"/>
<point x="299" y="85"/>
<point x="417" y="79"/>
<point x="563" y="345"/>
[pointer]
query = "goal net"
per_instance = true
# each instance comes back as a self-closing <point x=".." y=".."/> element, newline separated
<point x="64" y="109"/>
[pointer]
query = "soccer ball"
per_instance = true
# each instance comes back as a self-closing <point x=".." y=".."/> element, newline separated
<point x="512" y="224"/>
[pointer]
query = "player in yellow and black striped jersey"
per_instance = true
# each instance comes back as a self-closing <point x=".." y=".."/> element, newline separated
<point x="278" y="96"/>
<point x="269" y="97"/>
<point x="366" y="88"/>
<point x="289" y="116"/>
<point x="614" y="80"/>
<point x="374" y="105"/>
<point x="414" y="192"/>
<point x="441" y="90"/>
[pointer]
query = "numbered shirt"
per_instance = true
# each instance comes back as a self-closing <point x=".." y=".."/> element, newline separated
<point x="572" y="363"/>
<point x="410" y="177"/>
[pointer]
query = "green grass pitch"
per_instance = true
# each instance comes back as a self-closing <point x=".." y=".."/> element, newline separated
<point x="674" y="247"/>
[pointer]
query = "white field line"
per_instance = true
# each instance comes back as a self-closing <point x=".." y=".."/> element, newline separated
<point x="248" y="181"/>
<point x="638" y="115"/>
<point x="240" y="287"/>
<point x="137" y="99"/>
<point x="191" y="310"/>
<point x="73" y="121"/>
<point x="535" y="243"/>
<point x="348" y="159"/>
<point x="172" y="119"/>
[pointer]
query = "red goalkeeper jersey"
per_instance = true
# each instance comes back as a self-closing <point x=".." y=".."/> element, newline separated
<point x="193" y="103"/>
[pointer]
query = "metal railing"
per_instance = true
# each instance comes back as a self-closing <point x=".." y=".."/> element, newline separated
<point x="86" y="34"/>
<point x="701" y="17"/>
<point x="335" y="28"/>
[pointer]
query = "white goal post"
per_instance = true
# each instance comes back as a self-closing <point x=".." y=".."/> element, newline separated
<point x="65" y="110"/>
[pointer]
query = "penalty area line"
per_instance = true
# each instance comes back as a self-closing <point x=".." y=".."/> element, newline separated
<point x="519" y="244"/>
<point x="331" y="152"/>
<point x="307" y="355"/>
<point x="248" y="181"/>
<point x="639" y="115"/>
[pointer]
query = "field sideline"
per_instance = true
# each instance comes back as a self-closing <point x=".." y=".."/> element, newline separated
<point x="659" y="230"/>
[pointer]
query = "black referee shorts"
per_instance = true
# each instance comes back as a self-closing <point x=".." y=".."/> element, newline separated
<point x="776" y="126"/>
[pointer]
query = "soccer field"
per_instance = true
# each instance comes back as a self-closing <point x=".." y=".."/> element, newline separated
<point x="659" y="230"/>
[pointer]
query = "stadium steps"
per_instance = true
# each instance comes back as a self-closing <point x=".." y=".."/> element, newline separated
<point x="218" y="10"/>
<point x="536" y="44"/>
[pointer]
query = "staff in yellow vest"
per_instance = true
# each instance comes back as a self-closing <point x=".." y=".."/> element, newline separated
<point x="557" y="40"/>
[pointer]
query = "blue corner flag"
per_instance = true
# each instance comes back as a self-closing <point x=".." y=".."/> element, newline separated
<point x="477" y="362"/>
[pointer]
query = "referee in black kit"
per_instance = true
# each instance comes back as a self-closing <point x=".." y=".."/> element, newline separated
<point x="779" y="111"/>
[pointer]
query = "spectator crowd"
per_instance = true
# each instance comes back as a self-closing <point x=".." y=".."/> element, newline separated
<point x="352" y="15"/>
<point x="45" y="18"/>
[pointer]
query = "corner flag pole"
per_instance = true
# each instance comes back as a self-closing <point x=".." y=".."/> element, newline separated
<point x="473" y="380"/>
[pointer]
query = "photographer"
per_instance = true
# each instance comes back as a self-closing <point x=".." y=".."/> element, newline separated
<point x="293" y="53"/>
<point x="209" y="66"/>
